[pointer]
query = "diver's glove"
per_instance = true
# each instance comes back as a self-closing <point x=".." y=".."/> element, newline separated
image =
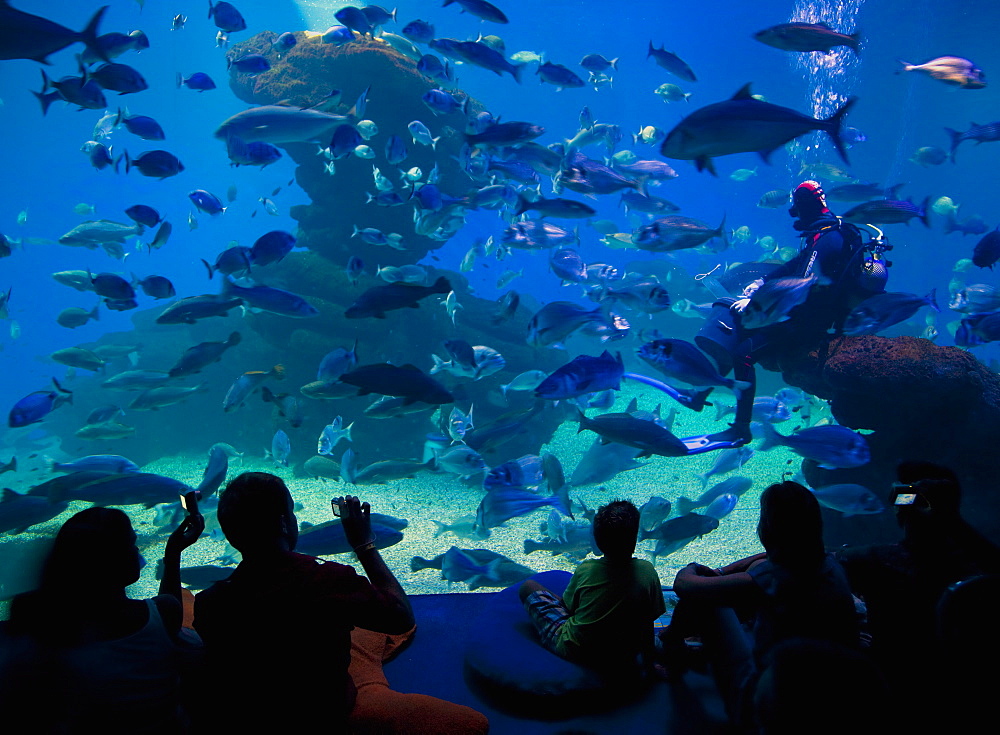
<point x="741" y="303"/>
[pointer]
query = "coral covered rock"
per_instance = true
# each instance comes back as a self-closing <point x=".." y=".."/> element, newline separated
<point x="921" y="401"/>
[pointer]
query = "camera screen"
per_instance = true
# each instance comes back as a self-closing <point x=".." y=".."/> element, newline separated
<point x="906" y="499"/>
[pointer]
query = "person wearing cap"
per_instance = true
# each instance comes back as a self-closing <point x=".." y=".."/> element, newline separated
<point x="832" y="250"/>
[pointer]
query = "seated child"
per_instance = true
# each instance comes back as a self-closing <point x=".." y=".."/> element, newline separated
<point x="605" y="617"/>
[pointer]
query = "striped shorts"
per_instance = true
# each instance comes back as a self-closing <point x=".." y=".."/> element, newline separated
<point x="548" y="614"/>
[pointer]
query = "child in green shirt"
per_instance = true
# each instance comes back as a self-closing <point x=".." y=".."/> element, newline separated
<point x="605" y="617"/>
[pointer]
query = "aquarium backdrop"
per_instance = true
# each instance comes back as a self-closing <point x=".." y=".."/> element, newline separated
<point x="500" y="181"/>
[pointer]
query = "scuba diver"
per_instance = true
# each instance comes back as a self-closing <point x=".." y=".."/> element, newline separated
<point x="790" y="312"/>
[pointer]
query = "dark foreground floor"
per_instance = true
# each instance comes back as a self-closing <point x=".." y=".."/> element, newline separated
<point x="433" y="664"/>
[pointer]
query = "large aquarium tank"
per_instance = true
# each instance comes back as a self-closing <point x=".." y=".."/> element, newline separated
<point x="456" y="261"/>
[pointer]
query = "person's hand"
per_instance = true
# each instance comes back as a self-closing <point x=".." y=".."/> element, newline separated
<point x="740" y="305"/>
<point x="186" y="533"/>
<point x="356" y="517"/>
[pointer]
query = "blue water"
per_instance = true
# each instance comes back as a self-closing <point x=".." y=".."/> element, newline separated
<point x="46" y="175"/>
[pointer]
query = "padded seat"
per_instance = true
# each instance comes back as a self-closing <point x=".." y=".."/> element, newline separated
<point x="506" y="665"/>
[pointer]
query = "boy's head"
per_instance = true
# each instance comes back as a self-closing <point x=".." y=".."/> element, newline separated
<point x="255" y="512"/>
<point x="616" y="527"/>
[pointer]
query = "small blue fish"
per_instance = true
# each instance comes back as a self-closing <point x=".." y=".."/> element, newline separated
<point x="345" y="139"/>
<point x="99" y="155"/>
<point x="355" y="267"/>
<point x="502" y="503"/>
<point x="232" y="260"/>
<point x="227" y="17"/>
<point x="158" y="287"/>
<point x="443" y="103"/>
<point x="583" y="374"/>
<point x="338" y="35"/>
<point x="271" y="247"/>
<point x="206" y="202"/>
<point x="849" y="499"/>
<point x="558" y="75"/>
<point x="431" y="66"/>
<point x="422" y="135"/>
<point x="251" y="64"/>
<point x="395" y="150"/>
<point x="284" y="42"/>
<point x="155" y="164"/>
<point x="281" y="447"/>
<point x="831" y="447"/>
<point x="354" y="19"/>
<point x="671" y="62"/>
<point x="419" y="31"/>
<point x="199" y="81"/>
<point x="96" y="463"/>
<point x="36" y="406"/>
<point x="145" y="127"/>
<point x="273" y="300"/>
<point x="255" y="153"/>
<point x="119" y="78"/>
<point x="331" y="435"/>
<point x="722" y="506"/>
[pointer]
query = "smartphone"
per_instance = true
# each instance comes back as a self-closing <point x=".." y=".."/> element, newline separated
<point x="905" y="499"/>
<point x="189" y="502"/>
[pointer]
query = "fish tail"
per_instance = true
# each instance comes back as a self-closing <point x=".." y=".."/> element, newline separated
<point x="562" y="502"/>
<point x="418" y="562"/>
<point x="855" y="43"/>
<point x="956" y="138"/>
<point x="441" y="528"/>
<point x="925" y="210"/>
<point x="833" y="126"/>
<point x="89" y="34"/>
<point x="685" y="505"/>
<point x="771" y="438"/>
<point x="931" y="300"/>
<point x="211" y="271"/>
<point x="43" y="98"/>
<point x="523" y="205"/>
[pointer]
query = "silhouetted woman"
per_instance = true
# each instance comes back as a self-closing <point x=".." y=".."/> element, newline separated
<point x="80" y="655"/>
<point x="793" y="591"/>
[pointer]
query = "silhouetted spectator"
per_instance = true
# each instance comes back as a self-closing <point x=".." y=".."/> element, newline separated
<point x="901" y="583"/>
<point x="81" y="657"/>
<point x="278" y="630"/>
<point x="795" y="590"/>
<point x="605" y="616"/>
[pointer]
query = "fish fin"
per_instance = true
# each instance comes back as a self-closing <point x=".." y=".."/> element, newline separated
<point x="89" y="34"/>
<point x="833" y="126"/>
<point x="743" y="93"/>
<point x="925" y="207"/>
<point x="931" y="299"/>
<point x="702" y="163"/>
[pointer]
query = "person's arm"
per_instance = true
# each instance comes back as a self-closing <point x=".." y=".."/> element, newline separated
<point x="705" y="585"/>
<point x="183" y="536"/>
<point x="170" y="603"/>
<point x="396" y="616"/>
<point x="742" y="565"/>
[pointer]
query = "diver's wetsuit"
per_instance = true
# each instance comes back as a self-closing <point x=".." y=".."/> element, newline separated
<point x="831" y="248"/>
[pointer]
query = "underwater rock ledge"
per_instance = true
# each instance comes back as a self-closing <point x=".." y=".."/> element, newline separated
<point x="305" y="76"/>
<point x="923" y="401"/>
